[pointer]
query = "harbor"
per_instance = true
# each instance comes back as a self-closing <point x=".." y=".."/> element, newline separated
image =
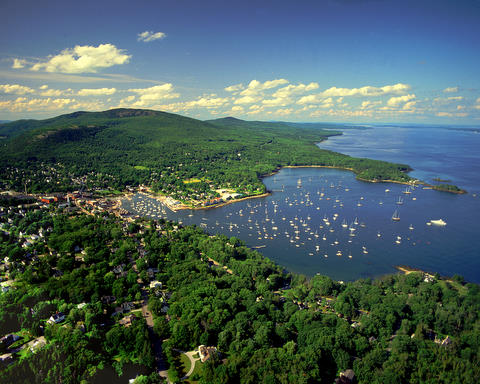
<point x="325" y="221"/>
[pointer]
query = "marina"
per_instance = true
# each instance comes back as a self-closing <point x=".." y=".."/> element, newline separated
<point x="312" y="223"/>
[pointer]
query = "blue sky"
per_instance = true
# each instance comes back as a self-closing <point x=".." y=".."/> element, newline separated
<point x="338" y="60"/>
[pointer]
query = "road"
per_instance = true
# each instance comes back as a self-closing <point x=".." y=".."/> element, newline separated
<point x="192" y="363"/>
<point x="160" y="363"/>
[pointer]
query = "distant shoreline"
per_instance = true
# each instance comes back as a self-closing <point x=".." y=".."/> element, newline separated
<point x="182" y="207"/>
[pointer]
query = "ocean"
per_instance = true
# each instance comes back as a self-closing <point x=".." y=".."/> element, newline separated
<point x="320" y="220"/>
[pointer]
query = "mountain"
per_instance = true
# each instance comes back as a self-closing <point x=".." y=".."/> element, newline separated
<point x="122" y="147"/>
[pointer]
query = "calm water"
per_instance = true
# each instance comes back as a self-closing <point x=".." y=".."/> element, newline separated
<point x="300" y="225"/>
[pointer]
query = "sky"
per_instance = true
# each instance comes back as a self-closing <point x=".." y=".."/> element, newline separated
<point x="335" y="60"/>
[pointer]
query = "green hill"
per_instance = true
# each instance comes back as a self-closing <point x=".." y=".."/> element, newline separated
<point x="123" y="147"/>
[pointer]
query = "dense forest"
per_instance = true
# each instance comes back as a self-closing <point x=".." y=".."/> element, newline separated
<point x="268" y="325"/>
<point x="116" y="148"/>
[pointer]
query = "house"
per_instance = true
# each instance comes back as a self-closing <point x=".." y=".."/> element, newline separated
<point x="56" y="318"/>
<point x="346" y="377"/>
<point x="127" y="320"/>
<point x="6" y="359"/>
<point x="48" y="199"/>
<point x="151" y="272"/>
<point x="9" y="339"/>
<point x="127" y="306"/>
<point x="37" y="345"/>
<point x="119" y="269"/>
<point x="107" y="299"/>
<point x="5" y="288"/>
<point x="206" y="353"/>
<point x="155" y="284"/>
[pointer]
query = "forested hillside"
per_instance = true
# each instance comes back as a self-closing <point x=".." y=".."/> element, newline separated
<point x="130" y="147"/>
<point x="268" y="325"/>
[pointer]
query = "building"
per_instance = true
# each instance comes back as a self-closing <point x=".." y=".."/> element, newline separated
<point x="127" y="320"/>
<point x="206" y="353"/>
<point x="56" y="318"/>
<point x="9" y="339"/>
<point x="155" y="284"/>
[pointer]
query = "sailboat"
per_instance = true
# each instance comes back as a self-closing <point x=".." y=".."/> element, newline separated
<point x="400" y="200"/>
<point x="395" y="216"/>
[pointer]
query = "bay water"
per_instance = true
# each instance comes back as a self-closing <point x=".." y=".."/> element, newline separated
<point x="321" y="220"/>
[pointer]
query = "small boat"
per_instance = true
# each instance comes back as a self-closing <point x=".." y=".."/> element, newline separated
<point x="387" y="190"/>
<point x="410" y="227"/>
<point x="400" y="200"/>
<point x="395" y="216"/>
<point x="439" y="222"/>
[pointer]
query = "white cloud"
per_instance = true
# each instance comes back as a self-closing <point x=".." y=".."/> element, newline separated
<point x="126" y="102"/>
<point x="367" y="104"/>
<point x="396" y="89"/>
<point x="237" y="109"/>
<point x="284" y="111"/>
<point x="234" y="88"/>
<point x="255" y="109"/>
<point x="150" y="96"/>
<point x="207" y="102"/>
<point x="19" y="63"/>
<point x="55" y="92"/>
<point x="450" y="90"/>
<point x="291" y="90"/>
<point x="444" y="114"/>
<point x="247" y="100"/>
<point x="310" y="99"/>
<point x="84" y="59"/>
<point x="277" y="102"/>
<point x="395" y="101"/>
<point x="255" y="87"/>
<point x="22" y="104"/>
<point x="15" y="89"/>
<point x="409" y="106"/>
<point x="96" y="91"/>
<point x="88" y="106"/>
<point x="284" y="96"/>
<point x="148" y="36"/>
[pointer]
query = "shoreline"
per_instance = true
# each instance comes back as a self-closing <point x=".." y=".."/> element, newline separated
<point x="180" y="207"/>
<point x="406" y="269"/>
<point x="414" y="181"/>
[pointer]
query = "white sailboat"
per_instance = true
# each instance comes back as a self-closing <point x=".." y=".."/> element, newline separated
<point x="395" y="216"/>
